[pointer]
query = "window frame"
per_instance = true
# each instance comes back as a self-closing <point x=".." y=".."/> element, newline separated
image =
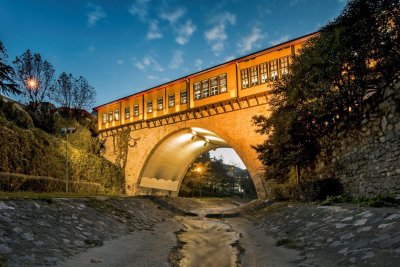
<point x="274" y="77"/>
<point x="127" y="114"/>
<point x="285" y="67"/>
<point x="183" y="96"/>
<point x="110" y="116"/>
<point x="104" y="118"/>
<point x="254" y="74"/>
<point x="244" y="78"/>
<point x="197" y="91"/>
<point x="214" y="88"/>
<point x="222" y="77"/>
<point x="136" y="111"/>
<point x="171" y="101"/>
<point x="205" y="88"/>
<point x="116" y="115"/>
<point x="264" y="73"/>
<point x="149" y="106"/>
<point x="160" y="106"/>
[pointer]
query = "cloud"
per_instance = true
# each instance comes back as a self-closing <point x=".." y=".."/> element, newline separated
<point x="216" y="36"/>
<point x="140" y="8"/>
<point x="147" y="62"/>
<point x="279" y="40"/>
<point x="152" y="77"/>
<point x="90" y="50"/>
<point x="198" y="63"/>
<point x="184" y="32"/>
<point x="229" y="58"/>
<point x="172" y="16"/>
<point x="120" y="62"/>
<point x="250" y="41"/>
<point x="176" y="60"/>
<point x="95" y="14"/>
<point x="154" y="32"/>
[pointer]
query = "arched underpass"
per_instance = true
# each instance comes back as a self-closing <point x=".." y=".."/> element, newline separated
<point x="168" y="162"/>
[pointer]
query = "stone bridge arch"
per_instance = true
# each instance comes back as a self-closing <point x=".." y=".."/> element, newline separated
<point x="157" y="162"/>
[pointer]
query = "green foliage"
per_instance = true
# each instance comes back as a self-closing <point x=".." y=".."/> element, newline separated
<point x="13" y="112"/>
<point x="7" y="84"/>
<point x="215" y="179"/>
<point x="380" y="200"/>
<point x="10" y="182"/>
<point x="308" y="190"/>
<point x="353" y="58"/>
<point x="32" y="151"/>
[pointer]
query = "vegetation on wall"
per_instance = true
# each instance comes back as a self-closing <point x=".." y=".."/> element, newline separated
<point x="26" y="149"/>
<point x="353" y="59"/>
<point x="122" y="141"/>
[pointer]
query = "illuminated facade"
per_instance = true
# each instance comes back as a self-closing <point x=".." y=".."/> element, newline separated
<point x="157" y="133"/>
<point x="249" y="75"/>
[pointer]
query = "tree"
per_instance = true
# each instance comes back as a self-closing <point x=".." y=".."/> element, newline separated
<point x="73" y="93"/>
<point x="34" y="75"/>
<point x="7" y="84"/>
<point x="354" y="58"/>
<point x="83" y="94"/>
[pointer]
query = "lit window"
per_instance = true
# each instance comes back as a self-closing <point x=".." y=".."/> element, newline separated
<point x="205" y="87"/>
<point x="104" y="118"/>
<point x="127" y="112"/>
<point x="254" y="75"/>
<point x="110" y="116"/>
<point x="264" y="72"/>
<point x="116" y="115"/>
<point x="149" y="106"/>
<point x="183" y="97"/>
<point x="222" y="83"/>
<point x="197" y="91"/>
<point x="214" y="85"/>
<point x="245" y="78"/>
<point x="160" y="103"/>
<point x="274" y="69"/>
<point x="284" y="65"/>
<point x="171" y="100"/>
<point x="136" y="110"/>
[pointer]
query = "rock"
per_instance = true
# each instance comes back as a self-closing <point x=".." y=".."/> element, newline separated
<point x="3" y="206"/>
<point x="384" y="123"/>
<point x="4" y="249"/>
<point x="28" y="236"/>
<point x="360" y="222"/>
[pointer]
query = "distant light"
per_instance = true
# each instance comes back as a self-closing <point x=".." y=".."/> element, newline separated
<point x="32" y="83"/>
<point x="198" y="169"/>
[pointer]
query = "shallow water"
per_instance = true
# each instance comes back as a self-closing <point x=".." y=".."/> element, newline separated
<point x="208" y="242"/>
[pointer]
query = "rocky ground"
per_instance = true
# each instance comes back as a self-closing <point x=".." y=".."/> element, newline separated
<point x="193" y="232"/>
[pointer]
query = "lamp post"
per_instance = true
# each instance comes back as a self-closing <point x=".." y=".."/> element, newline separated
<point x="67" y="131"/>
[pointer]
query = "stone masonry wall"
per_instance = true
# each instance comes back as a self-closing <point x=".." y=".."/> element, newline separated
<point x="366" y="159"/>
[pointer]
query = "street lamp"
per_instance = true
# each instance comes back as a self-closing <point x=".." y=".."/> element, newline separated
<point x="67" y="131"/>
<point x="32" y="83"/>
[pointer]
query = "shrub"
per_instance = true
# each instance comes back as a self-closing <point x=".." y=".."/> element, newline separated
<point x="11" y="182"/>
<point x="308" y="190"/>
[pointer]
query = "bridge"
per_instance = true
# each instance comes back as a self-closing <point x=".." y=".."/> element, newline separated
<point x="156" y="134"/>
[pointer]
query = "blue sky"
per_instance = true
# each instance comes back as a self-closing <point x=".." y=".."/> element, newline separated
<point x="123" y="47"/>
<point x="126" y="46"/>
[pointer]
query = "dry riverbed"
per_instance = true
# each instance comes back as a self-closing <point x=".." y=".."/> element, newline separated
<point x="194" y="232"/>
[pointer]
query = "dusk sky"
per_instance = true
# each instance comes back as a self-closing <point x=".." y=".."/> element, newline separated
<point x="123" y="47"/>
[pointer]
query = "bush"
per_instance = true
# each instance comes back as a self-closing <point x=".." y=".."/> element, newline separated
<point x="380" y="200"/>
<point x="13" y="112"/>
<point x="308" y="190"/>
<point x="11" y="182"/>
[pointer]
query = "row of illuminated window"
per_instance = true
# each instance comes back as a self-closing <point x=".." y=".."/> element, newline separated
<point x="264" y="72"/>
<point x="171" y="101"/>
<point x="114" y="115"/>
<point x="210" y="87"/>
